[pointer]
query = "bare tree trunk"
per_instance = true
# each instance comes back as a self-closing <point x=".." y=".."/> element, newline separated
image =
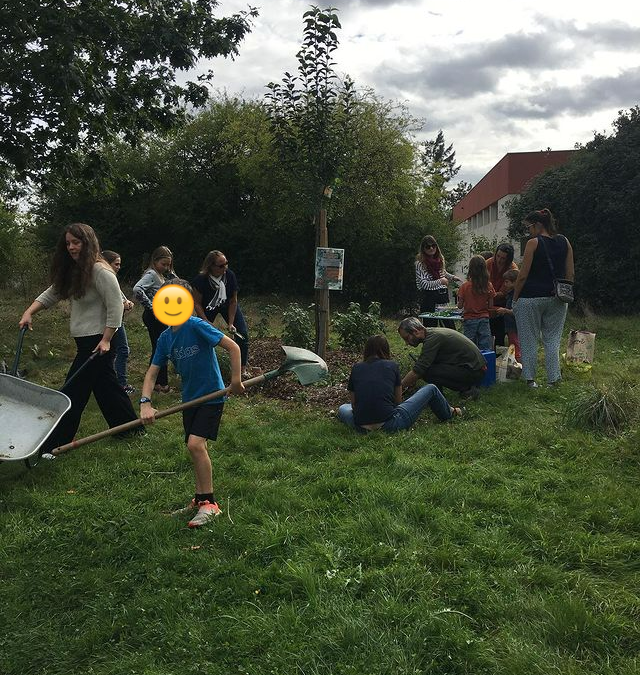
<point x="322" y="294"/>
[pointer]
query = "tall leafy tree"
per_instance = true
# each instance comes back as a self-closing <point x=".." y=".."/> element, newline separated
<point x="218" y="182"/>
<point x="439" y="168"/>
<point x="74" y="73"/>
<point x="310" y="115"/>
<point x="439" y="161"/>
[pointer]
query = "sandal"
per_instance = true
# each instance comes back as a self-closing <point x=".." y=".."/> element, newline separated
<point x="457" y="412"/>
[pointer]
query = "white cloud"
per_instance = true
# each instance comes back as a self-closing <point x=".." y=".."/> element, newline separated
<point x="497" y="77"/>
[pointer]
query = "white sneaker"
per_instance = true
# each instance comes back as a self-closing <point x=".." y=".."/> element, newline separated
<point x="206" y="511"/>
<point x="185" y="509"/>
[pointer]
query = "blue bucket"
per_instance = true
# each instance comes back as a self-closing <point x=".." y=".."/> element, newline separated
<point x="490" y="374"/>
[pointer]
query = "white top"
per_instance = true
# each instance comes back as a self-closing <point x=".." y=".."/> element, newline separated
<point x="100" y="307"/>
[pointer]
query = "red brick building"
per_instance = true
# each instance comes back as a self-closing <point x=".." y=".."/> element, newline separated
<point x="482" y="210"/>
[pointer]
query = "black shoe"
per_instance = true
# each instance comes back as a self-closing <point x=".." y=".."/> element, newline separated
<point x="472" y="393"/>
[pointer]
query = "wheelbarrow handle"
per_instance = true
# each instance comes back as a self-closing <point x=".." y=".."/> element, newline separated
<point x="16" y="360"/>
<point x="161" y="413"/>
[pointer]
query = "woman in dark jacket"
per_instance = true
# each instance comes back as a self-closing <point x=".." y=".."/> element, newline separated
<point x="215" y="291"/>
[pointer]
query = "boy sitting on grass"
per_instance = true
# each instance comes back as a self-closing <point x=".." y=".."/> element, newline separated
<point x="190" y="346"/>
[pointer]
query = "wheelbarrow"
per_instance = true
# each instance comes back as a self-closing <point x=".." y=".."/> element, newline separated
<point x="304" y="364"/>
<point x="29" y="412"/>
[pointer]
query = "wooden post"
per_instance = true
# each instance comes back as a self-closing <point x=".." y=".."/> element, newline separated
<point x="322" y="294"/>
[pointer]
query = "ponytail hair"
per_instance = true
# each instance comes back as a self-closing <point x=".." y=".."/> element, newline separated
<point x="545" y="218"/>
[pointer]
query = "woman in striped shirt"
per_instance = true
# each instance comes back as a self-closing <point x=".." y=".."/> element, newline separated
<point x="432" y="279"/>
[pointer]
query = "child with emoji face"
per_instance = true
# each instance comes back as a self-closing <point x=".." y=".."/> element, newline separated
<point x="189" y="343"/>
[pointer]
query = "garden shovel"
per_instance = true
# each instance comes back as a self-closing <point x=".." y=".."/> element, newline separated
<point x="305" y="365"/>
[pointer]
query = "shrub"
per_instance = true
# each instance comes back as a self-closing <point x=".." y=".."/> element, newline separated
<point x="297" y="329"/>
<point x="265" y="314"/>
<point x="354" y="327"/>
<point x="600" y="408"/>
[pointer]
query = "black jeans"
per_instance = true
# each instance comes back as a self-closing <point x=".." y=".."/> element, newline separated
<point x="496" y="325"/>
<point x="98" y="378"/>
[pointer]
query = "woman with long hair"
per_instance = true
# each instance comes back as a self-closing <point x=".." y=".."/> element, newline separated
<point x="475" y="298"/>
<point x="215" y="291"/>
<point x="539" y="313"/>
<point x="159" y="270"/>
<point x="497" y="264"/>
<point x="432" y="279"/>
<point x="375" y="391"/>
<point x="80" y="274"/>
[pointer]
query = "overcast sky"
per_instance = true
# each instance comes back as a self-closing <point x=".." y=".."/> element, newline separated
<point x="495" y="76"/>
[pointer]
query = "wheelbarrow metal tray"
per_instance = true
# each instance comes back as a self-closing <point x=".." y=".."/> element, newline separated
<point x="28" y="414"/>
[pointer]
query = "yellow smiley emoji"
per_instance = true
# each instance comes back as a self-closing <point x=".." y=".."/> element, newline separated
<point x="173" y="305"/>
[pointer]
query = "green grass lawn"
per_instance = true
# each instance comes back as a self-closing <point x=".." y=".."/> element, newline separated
<point x="504" y="543"/>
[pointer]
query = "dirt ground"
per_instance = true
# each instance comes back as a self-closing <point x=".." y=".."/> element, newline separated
<point x="266" y="354"/>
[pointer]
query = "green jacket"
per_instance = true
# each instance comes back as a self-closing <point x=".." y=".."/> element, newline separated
<point x="444" y="345"/>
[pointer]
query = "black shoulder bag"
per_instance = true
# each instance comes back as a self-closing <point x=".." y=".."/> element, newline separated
<point x="563" y="288"/>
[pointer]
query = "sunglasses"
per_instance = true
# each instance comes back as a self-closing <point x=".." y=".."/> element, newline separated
<point x="225" y="264"/>
<point x="426" y="246"/>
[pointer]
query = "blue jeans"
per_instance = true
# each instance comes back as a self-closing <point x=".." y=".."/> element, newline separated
<point x="405" y="414"/>
<point x="478" y="331"/>
<point x="120" y="346"/>
<point x="241" y="327"/>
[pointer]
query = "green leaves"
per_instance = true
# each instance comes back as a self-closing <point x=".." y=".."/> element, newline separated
<point x="595" y="199"/>
<point x="310" y="113"/>
<point x="77" y="74"/>
<point x="354" y="327"/>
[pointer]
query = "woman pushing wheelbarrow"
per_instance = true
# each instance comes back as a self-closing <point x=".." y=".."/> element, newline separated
<point x="80" y="275"/>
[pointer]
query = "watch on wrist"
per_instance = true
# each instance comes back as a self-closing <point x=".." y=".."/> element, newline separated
<point x="145" y="399"/>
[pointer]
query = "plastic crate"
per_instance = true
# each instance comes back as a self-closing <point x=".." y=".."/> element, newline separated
<point x="490" y="374"/>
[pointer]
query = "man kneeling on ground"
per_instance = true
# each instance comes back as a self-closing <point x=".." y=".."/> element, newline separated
<point x="448" y="359"/>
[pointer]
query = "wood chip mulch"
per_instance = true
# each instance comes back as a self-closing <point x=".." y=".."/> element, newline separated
<point x="266" y="354"/>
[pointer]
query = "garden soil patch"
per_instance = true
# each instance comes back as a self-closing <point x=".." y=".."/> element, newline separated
<point x="266" y="354"/>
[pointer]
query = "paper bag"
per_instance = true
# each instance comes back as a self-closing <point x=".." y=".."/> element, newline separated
<point x="514" y="369"/>
<point x="581" y="346"/>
